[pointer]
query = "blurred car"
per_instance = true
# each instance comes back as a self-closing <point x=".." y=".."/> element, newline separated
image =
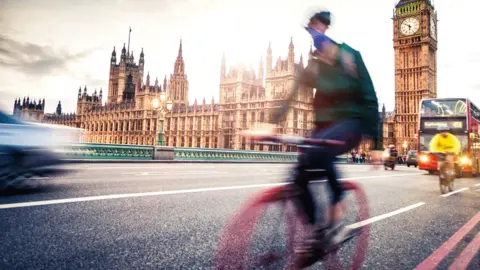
<point x="31" y="150"/>
<point x="412" y="158"/>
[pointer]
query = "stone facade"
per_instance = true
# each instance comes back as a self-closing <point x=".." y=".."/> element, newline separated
<point x="415" y="45"/>
<point x="128" y="115"/>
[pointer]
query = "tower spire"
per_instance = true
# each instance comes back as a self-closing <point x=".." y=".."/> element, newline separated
<point x="129" y="32"/>
<point x="180" y="49"/>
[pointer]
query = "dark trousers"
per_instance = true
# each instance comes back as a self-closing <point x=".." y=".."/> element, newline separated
<point x="323" y="158"/>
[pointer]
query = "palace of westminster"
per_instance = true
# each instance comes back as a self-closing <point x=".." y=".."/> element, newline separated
<point x="129" y="117"/>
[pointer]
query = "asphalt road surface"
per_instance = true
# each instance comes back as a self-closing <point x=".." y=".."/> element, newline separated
<point x="170" y="216"/>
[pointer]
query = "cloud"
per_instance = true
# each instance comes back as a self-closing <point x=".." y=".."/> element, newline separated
<point x="36" y="60"/>
<point x="7" y="100"/>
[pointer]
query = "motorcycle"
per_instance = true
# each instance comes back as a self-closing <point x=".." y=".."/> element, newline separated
<point x="446" y="173"/>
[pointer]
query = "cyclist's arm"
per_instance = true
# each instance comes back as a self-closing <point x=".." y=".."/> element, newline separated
<point x="279" y="113"/>
<point x="434" y="144"/>
<point x="457" y="145"/>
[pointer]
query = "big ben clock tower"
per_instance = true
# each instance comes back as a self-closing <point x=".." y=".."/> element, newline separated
<point x="415" y="45"/>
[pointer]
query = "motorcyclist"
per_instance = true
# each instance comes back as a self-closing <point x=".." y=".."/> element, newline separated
<point x="393" y="151"/>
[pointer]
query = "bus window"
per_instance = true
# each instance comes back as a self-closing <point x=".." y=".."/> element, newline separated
<point x="447" y="107"/>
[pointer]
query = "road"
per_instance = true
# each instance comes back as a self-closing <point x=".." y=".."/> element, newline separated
<point x="169" y="216"/>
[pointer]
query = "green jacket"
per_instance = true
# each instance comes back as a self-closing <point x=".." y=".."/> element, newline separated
<point x="343" y="91"/>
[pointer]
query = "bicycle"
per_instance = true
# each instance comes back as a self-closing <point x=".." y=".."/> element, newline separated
<point x="234" y="244"/>
<point x="446" y="172"/>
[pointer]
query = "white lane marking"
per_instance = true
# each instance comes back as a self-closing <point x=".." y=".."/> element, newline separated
<point x="453" y="192"/>
<point x="477" y="185"/>
<point x="175" y="166"/>
<point x="169" y="173"/>
<point x="160" y="193"/>
<point x="379" y="176"/>
<point x="163" y="166"/>
<point x="384" y="216"/>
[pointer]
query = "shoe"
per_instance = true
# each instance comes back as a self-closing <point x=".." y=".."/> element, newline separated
<point x="312" y="249"/>
<point x="340" y="234"/>
<point x="322" y="242"/>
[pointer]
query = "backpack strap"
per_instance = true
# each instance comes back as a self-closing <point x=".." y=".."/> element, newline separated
<point x="346" y="58"/>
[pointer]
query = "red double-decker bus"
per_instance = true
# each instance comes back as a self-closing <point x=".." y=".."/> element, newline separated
<point x="462" y="118"/>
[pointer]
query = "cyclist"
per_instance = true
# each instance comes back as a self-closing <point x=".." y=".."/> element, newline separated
<point x="447" y="145"/>
<point x="346" y="108"/>
<point x="445" y="142"/>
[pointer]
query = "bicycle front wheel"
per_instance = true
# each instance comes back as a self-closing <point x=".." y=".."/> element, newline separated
<point x="360" y="226"/>
<point x="247" y="241"/>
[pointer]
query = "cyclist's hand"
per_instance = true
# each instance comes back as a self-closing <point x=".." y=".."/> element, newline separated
<point x="260" y="130"/>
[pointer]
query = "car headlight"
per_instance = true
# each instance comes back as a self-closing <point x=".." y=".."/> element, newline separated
<point x="423" y="158"/>
<point x="465" y="160"/>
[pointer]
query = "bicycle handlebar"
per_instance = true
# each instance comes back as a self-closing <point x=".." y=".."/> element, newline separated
<point x="300" y="140"/>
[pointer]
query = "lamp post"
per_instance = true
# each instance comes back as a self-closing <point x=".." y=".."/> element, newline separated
<point x="231" y="132"/>
<point x="162" y="107"/>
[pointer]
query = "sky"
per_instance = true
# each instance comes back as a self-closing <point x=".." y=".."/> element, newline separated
<point x="49" y="48"/>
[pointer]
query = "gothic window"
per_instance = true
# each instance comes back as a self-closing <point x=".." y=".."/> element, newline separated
<point x="305" y="120"/>
<point x="295" y="118"/>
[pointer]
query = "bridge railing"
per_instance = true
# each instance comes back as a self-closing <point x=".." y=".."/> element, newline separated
<point x="142" y="152"/>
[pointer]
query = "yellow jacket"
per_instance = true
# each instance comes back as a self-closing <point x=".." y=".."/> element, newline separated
<point x="450" y="144"/>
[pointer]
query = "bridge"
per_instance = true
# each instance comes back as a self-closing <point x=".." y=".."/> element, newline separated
<point x="170" y="216"/>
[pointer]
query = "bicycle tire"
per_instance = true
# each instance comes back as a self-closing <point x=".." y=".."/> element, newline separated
<point x="361" y="245"/>
<point x="232" y="249"/>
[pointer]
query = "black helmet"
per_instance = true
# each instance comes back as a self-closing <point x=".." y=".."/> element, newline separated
<point x="322" y="16"/>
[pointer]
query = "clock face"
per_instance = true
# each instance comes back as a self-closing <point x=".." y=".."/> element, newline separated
<point x="433" y="28"/>
<point x="409" y="26"/>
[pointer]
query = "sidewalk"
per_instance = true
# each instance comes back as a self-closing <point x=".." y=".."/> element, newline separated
<point x="74" y="161"/>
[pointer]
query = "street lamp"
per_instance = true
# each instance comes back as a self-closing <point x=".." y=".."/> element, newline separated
<point x="231" y="131"/>
<point x="162" y="107"/>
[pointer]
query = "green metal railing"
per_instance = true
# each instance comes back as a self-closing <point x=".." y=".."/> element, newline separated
<point x="141" y="152"/>
<point x="109" y="151"/>
<point x="228" y="154"/>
